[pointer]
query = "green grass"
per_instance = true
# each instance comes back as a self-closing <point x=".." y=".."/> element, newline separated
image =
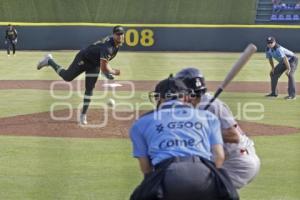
<point x="61" y="168"/>
<point x="272" y="111"/>
<point x="141" y="66"/>
<point x="53" y="168"/>
<point x="279" y="178"/>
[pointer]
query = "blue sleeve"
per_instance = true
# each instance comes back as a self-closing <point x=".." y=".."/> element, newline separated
<point x="215" y="134"/>
<point x="281" y="52"/>
<point x="140" y="148"/>
<point x="268" y="55"/>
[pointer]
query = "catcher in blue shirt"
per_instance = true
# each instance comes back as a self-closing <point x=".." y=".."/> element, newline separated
<point x="177" y="130"/>
<point x="287" y="62"/>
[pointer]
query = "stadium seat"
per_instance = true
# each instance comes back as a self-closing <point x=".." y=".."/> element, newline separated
<point x="275" y="7"/>
<point x="274" y="17"/>
<point x="284" y="7"/>
<point x="295" y="17"/>
<point x="280" y="18"/>
<point x="288" y="17"/>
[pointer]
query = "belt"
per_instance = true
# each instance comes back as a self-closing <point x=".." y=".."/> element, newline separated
<point x="179" y="159"/>
<point x="187" y="159"/>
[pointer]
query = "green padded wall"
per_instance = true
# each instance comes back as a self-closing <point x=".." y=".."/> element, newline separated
<point x="130" y="11"/>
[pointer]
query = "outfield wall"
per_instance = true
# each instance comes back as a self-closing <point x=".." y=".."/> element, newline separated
<point x="130" y="11"/>
<point x="158" y="38"/>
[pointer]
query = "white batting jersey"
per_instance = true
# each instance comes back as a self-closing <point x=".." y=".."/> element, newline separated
<point x="222" y="111"/>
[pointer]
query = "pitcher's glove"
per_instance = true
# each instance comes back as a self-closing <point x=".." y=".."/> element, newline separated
<point x="109" y="76"/>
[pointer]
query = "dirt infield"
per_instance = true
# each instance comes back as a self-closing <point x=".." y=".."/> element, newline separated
<point x="237" y="86"/>
<point x="42" y="124"/>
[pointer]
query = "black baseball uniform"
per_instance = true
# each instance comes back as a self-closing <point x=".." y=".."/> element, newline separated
<point x="11" y="36"/>
<point x="88" y="61"/>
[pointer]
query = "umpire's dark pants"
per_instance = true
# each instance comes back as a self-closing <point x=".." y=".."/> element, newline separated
<point x="279" y="70"/>
<point x="189" y="179"/>
<point x="78" y="66"/>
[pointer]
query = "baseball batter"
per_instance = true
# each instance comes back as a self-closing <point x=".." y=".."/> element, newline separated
<point x="91" y="60"/>
<point x="241" y="163"/>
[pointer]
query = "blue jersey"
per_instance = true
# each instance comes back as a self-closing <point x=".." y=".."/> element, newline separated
<point x="278" y="53"/>
<point x="175" y="130"/>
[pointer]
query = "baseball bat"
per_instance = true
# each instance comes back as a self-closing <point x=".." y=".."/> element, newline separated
<point x="243" y="59"/>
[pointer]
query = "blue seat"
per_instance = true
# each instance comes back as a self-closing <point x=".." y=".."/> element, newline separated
<point x="275" y="7"/>
<point x="274" y="17"/>
<point x="295" y="17"/>
<point x="280" y="17"/>
<point x="288" y="17"/>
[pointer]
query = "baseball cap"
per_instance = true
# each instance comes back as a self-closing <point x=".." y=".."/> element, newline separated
<point x="171" y="88"/>
<point x="118" y="30"/>
<point x="270" y="39"/>
<point x="193" y="79"/>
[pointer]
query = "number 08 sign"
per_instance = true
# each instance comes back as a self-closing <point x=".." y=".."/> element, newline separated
<point x="144" y="37"/>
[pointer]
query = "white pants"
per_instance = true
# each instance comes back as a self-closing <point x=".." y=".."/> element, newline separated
<point x="242" y="166"/>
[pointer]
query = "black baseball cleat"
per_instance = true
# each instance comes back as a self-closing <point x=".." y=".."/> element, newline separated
<point x="290" y="97"/>
<point x="271" y="95"/>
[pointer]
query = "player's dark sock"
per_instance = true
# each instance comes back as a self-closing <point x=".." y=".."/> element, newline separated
<point x="55" y="66"/>
<point x="86" y="102"/>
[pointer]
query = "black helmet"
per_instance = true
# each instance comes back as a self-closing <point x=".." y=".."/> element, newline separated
<point x="270" y="39"/>
<point x="118" y="30"/>
<point x="169" y="89"/>
<point x="193" y="79"/>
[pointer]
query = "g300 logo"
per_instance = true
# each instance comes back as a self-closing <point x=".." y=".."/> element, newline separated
<point x="188" y="124"/>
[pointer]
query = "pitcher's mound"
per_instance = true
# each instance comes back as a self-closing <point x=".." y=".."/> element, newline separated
<point x="101" y="124"/>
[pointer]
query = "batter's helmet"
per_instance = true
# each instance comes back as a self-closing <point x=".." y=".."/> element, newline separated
<point x="193" y="79"/>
